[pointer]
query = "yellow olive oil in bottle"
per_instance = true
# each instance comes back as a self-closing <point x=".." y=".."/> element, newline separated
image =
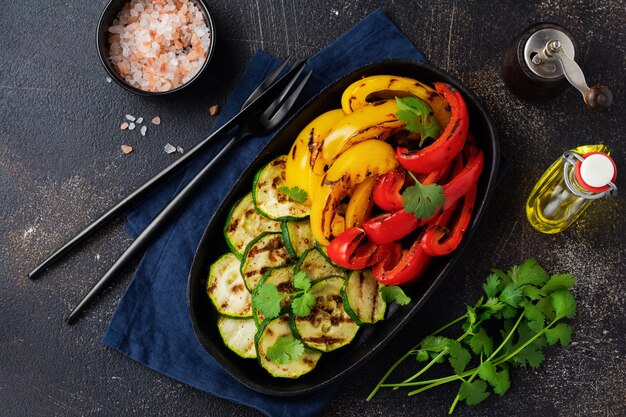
<point x="567" y="188"/>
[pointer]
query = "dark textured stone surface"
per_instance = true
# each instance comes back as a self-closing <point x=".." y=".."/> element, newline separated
<point x="61" y="165"/>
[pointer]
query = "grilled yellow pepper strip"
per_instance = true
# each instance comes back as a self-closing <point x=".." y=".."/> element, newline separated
<point x="299" y="168"/>
<point x="361" y="161"/>
<point x="380" y="87"/>
<point x="374" y="121"/>
<point x="361" y="203"/>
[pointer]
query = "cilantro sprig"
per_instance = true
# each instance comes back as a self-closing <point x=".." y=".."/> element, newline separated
<point x="522" y="311"/>
<point x="418" y="116"/>
<point x="393" y="293"/>
<point x="285" y="349"/>
<point x="267" y="299"/>
<point x="422" y="200"/>
<point x="297" y="194"/>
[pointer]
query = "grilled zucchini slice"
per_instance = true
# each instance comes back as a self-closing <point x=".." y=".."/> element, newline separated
<point x="269" y="201"/>
<point x="226" y="288"/>
<point x="281" y="278"/>
<point x="238" y="335"/>
<point x="297" y="237"/>
<point x="244" y="223"/>
<point x="316" y="266"/>
<point x="271" y="332"/>
<point x="328" y="326"/>
<point x="362" y="299"/>
<point x="265" y="252"/>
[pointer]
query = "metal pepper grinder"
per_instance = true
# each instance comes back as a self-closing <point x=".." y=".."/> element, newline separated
<point x="539" y="62"/>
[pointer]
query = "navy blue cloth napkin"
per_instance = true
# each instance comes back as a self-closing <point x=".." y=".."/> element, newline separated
<point x="151" y="324"/>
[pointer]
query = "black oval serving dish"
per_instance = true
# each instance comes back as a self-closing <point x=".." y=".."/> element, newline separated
<point x="370" y="339"/>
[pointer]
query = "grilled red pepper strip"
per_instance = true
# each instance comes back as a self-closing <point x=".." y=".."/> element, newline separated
<point x="450" y="142"/>
<point x="389" y="227"/>
<point x="347" y="250"/>
<point x="409" y="268"/>
<point x="386" y="194"/>
<point x="436" y="242"/>
<point x="466" y="179"/>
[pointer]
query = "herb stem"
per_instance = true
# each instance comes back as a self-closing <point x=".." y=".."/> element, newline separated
<point x="525" y="345"/>
<point x="432" y="362"/>
<point x="452" y="323"/>
<point x="389" y="372"/>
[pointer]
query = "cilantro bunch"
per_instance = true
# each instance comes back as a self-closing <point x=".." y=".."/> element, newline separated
<point x="521" y="312"/>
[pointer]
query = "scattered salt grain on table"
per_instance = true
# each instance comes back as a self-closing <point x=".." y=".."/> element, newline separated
<point x="169" y="148"/>
<point x="180" y="149"/>
<point x="156" y="121"/>
<point x="131" y="126"/>
<point x="143" y="130"/>
<point x="214" y="109"/>
<point x="109" y="79"/>
<point x="139" y="120"/>
<point x="158" y="45"/>
<point x="124" y="126"/>
<point x="126" y="149"/>
<point x="130" y="117"/>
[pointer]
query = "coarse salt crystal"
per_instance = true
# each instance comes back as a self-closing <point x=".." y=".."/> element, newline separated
<point x="130" y="117"/>
<point x="108" y="79"/>
<point x="143" y="130"/>
<point x="180" y="149"/>
<point x="126" y="149"/>
<point x="156" y="120"/>
<point x="124" y="126"/>
<point x="139" y="120"/>
<point x="169" y="148"/>
<point x="131" y="126"/>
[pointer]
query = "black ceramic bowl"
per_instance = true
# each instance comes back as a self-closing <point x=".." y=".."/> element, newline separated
<point x="334" y="365"/>
<point x="109" y="14"/>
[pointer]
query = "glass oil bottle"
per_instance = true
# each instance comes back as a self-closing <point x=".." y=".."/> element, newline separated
<point x="566" y="189"/>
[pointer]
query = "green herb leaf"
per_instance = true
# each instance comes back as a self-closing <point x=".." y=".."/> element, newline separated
<point x="422" y="200"/>
<point x="563" y="303"/>
<point x="534" y="316"/>
<point x="532" y="292"/>
<point x="530" y="272"/>
<point x="266" y="298"/>
<point x="492" y="284"/>
<point x="285" y="349"/>
<point x="418" y="116"/>
<point x="561" y="332"/>
<point x="422" y="355"/>
<point x="297" y="194"/>
<point x="394" y="293"/>
<point x="301" y="281"/>
<point x="558" y="282"/>
<point x="498" y="380"/>
<point x="459" y="356"/>
<point x="502" y="275"/>
<point x="533" y="353"/>
<point x="545" y="305"/>
<point x="480" y="342"/>
<point x="434" y="343"/>
<point x="511" y="295"/>
<point x="301" y="306"/>
<point x="473" y="392"/>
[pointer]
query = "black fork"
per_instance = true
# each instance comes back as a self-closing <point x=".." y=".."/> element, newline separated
<point x="258" y="124"/>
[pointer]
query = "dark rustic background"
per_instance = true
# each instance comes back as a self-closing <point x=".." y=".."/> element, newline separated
<point x="61" y="166"/>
